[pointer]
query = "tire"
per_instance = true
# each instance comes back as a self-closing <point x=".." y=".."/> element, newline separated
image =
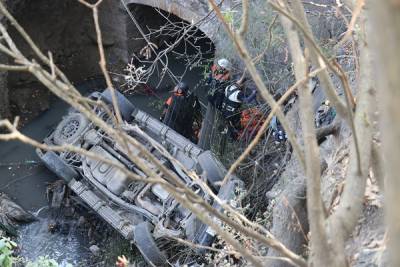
<point x="125" y="106"/>
<point x="213" y="169"/>
<point x="70" y="129"/>
<point x="54" y="163"/>
<point x="144" y="241"/>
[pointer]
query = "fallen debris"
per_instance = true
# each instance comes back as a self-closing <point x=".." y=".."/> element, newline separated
<point x="55" y="193"/>
<point x="95" y="250"/>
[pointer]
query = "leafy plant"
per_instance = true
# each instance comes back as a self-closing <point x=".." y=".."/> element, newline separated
<point x="229" y="16"/>
<point x="45" y="261"/>
<point x="6" y="251"/>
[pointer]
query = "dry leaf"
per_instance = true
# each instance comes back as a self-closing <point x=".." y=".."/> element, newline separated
<point x="371" y="196"/>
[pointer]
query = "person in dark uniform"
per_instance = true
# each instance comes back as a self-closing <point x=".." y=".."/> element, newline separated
<point x="234" y="97"/>
<point x="180" y="110"/>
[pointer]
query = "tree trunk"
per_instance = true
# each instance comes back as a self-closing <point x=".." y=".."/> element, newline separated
<point x="385" y="38"/>
<point x="290" y="224"/>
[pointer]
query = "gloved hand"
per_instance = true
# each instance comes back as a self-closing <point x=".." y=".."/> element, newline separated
<point x="209" y="78"/>
<point x="251" y="97"/>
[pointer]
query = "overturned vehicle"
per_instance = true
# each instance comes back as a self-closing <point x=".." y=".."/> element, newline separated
<point x="143" y="213"/>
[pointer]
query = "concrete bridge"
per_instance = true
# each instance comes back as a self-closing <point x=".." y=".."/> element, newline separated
<point x="193" y="11"/>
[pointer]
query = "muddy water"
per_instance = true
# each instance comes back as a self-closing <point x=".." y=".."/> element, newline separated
<point x="25" y="179"/>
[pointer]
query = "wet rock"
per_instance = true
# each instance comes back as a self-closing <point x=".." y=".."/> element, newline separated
<point x="11" y="213"/>
<point x="6" y="227"/>
<point x="14" y="212"/>
<point x="95" y="250"/>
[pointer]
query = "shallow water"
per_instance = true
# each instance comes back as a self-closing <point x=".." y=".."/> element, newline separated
<point x="68" y="246"/>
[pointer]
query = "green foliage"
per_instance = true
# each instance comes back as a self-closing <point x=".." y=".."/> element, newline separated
<point x="44" y="261"/>
<point x="229" y="16"/>
<point x="6" y="251"/>
<point x="205" y="67"/>
<point x="157" y="104"/>
<point x="7" y="259"/>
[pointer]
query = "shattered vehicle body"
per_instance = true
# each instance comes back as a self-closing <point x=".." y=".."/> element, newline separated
<point x="141" y="212"/>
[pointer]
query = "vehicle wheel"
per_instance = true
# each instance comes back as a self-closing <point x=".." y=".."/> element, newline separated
<point x="125" y="106"/>
<point x="144" y="241"/>
<point x="70" y="129"/>
<point x="58" y="166"/>
<point x="214" y="170"/>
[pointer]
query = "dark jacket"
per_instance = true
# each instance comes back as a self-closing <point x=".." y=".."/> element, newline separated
<point x="179" y="113"/>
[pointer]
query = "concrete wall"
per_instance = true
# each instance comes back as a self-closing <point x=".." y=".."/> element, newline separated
<point x="64" y="27"/>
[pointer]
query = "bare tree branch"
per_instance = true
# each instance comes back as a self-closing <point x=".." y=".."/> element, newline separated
<point x="342" y="222"/>
<point x="245" y="18"/>
<point x="319" y="245"/>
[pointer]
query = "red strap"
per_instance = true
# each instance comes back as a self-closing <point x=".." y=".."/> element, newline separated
<point x="169" y="101"/>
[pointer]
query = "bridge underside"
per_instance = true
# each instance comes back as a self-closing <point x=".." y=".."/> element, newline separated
<point x="193" y="11"/>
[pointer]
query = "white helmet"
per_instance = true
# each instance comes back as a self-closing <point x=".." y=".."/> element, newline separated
<point x="223" y="62"/>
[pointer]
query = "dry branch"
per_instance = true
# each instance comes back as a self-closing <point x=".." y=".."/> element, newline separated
<point x="322" y="255"/>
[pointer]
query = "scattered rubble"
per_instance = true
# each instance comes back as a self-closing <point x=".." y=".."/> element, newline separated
<point x="95" y="250"/>
<point x="10" y="214"/>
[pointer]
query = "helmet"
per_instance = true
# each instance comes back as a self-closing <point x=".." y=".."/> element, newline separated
<point x="224" y="63"/>
<point x="183" y="87"/>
